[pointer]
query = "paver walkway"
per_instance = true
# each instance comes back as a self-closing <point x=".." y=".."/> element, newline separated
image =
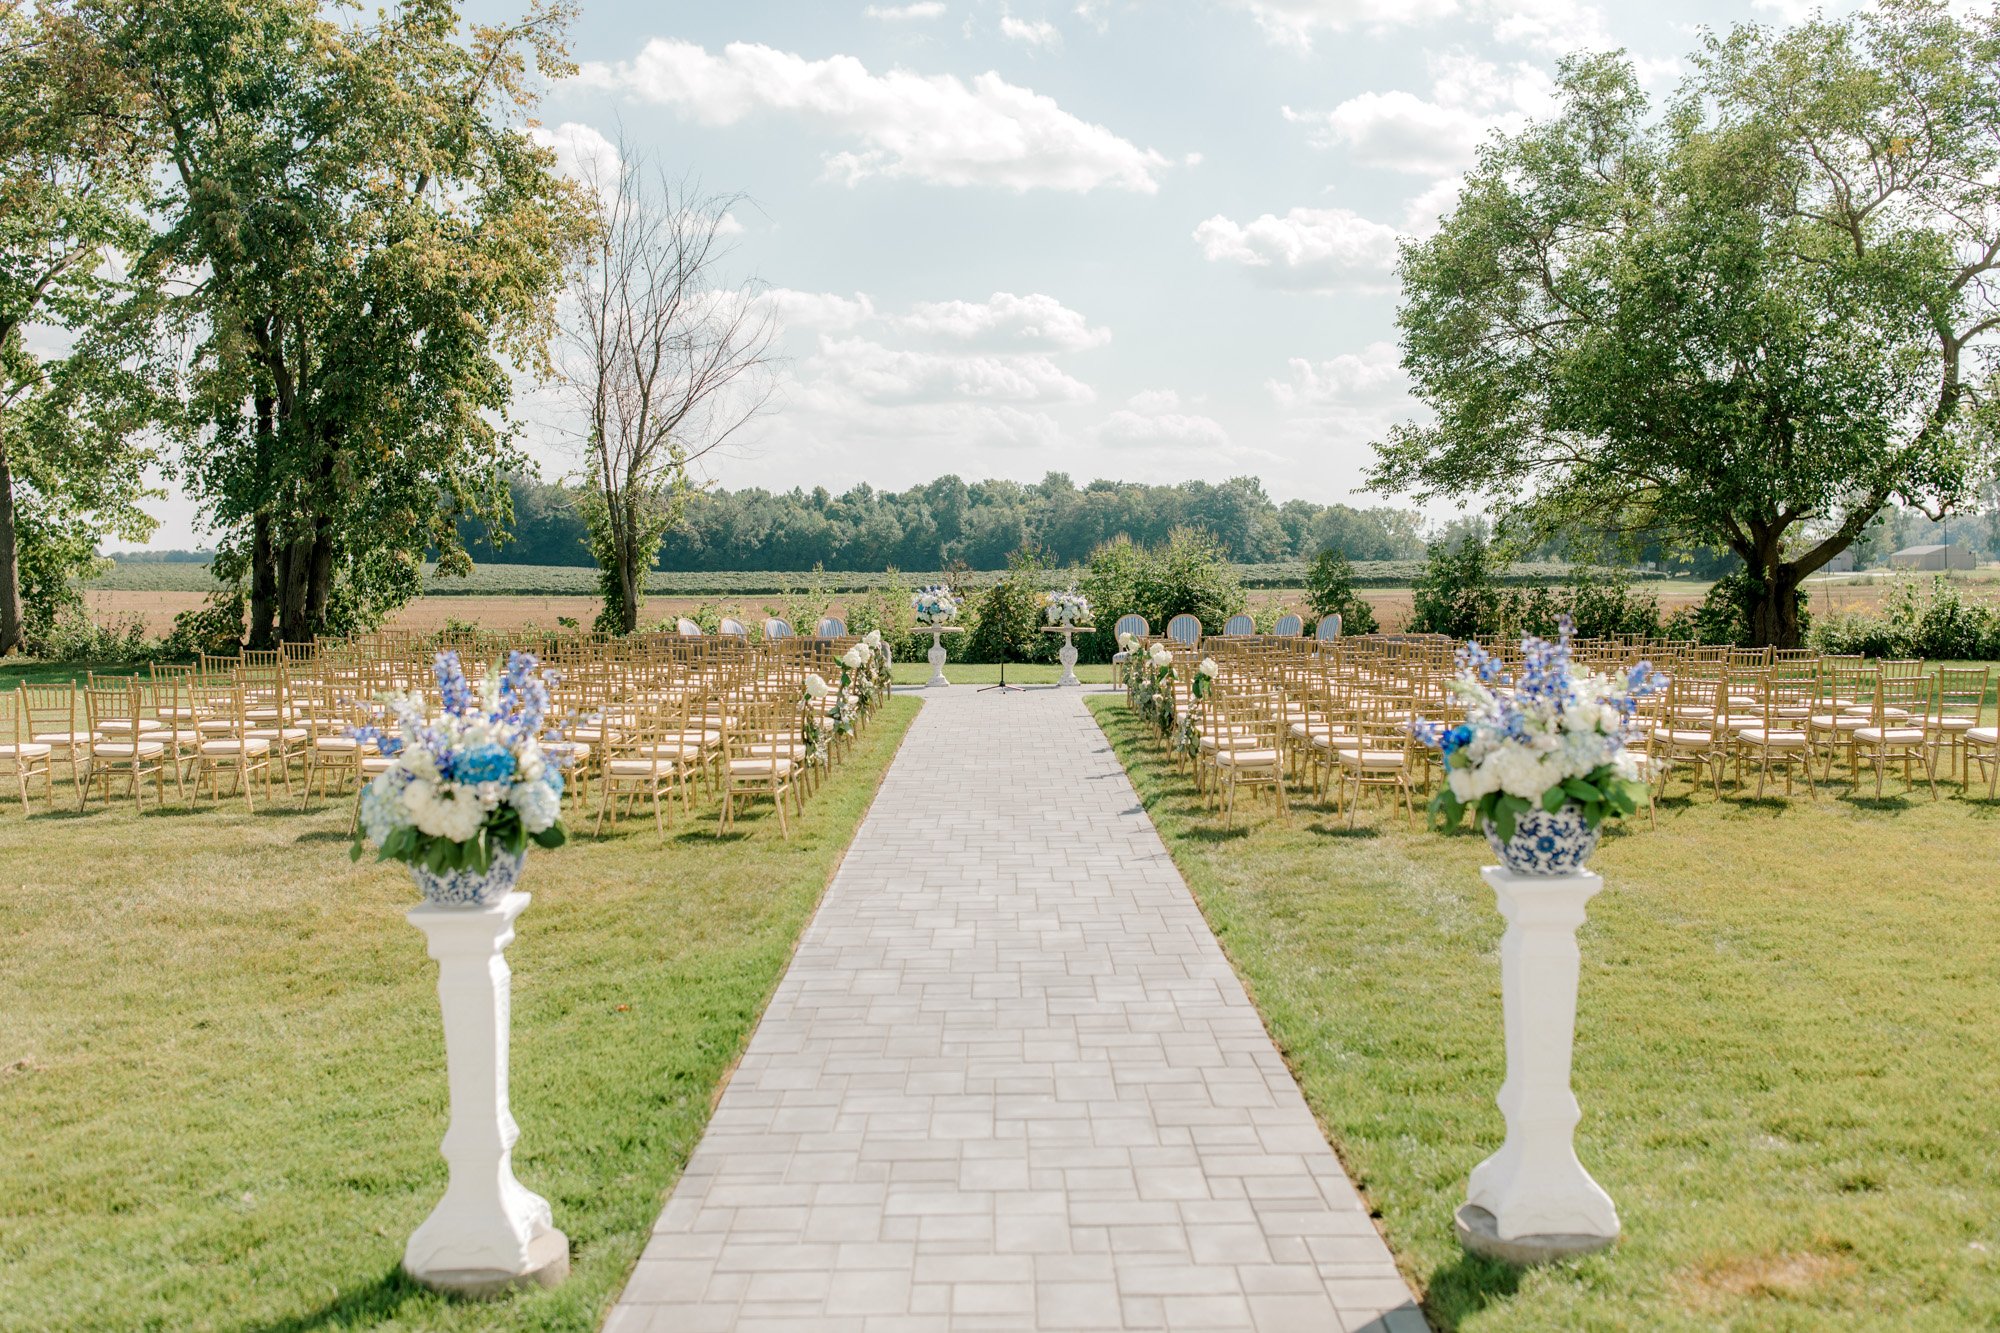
<point x="1010" y="1082"/>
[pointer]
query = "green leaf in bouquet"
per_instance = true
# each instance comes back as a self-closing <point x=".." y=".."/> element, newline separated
<point x="1583" y="790"/>
<point x="551" y="837"/>
<point x="1554" y="798"/>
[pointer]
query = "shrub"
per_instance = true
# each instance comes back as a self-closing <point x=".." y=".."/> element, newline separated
<point x="1330" y="592"/>
<point x="1010" y="616"/>
<point x="1724" y="615"/>
<point x="1918" y="619"/>
<point x="1189" y="575"/>
<point x="72" y="636"/>
<point x="216" y="628"/>
<point x="1456" y="594"/>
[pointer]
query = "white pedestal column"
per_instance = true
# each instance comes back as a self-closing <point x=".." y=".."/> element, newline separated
<point x="489" y="1232"/>
<point x="1067" y="656"/>
<point x="1532" y="1200"/>
<point x="936" y="656"/>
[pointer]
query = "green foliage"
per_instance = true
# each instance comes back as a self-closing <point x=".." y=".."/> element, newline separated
<point x="1919" y="618"/>
<point x="1456" y="594"/>
<point x="73" y="635"/>
<point x="1459" y="595"/>
<point x="1725" y="614"/>
<point x="1330" y="592"/>
<point x="1601" y="794"/>
<point x="1738" y="322"/>
<point x="947" y="521"/>
<point x="216" y="628"/>
<point x="1007" y="623"/>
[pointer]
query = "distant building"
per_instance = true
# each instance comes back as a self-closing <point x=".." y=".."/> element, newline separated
<point x="1840" y="564"/>
<point x="1934" y="557"/>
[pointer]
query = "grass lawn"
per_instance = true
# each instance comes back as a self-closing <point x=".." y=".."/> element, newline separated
<point x="1787" y="1052"/>
<point x="222" y="1069"/>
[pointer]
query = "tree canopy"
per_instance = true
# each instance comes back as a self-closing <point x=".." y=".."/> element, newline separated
<point x="1752" y="320"/>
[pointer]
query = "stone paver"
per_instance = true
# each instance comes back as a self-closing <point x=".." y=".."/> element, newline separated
<point x="1010" y="1082"/>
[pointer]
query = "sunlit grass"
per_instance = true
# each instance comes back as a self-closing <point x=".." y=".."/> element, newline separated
<point x="1787" y="1052"/>
<point x="222" y="1071"/>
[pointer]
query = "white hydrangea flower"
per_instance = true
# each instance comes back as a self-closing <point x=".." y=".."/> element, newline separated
<point x="538" y="805"/>
<point x="816" y="686"/>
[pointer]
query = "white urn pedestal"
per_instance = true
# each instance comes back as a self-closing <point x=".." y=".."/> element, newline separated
<point x="937" y="653"/>
<point x="1532" y="1202"/>
<point x="489" y="1233"/>
<point x="1067" y="653"/>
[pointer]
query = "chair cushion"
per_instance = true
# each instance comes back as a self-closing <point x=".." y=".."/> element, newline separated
<point x="1775" y="739"/>
<point x="123" y="726"/>
<point x="1676" y="736"/>
<point x="1890" y="735"/>
<point x="338" y="744"/>
<point x="1984" y="735"/>
<point x="1840" y="722"/>
<point x="173" y="736"/>
<point x="641" y="768"/>
<point x="128" y="749"/>
<point x="253" y="745"/>
<point x="753" y="767"/>
<point x="1248" y="758"/>
<point x="63" y="740"/>
<point x="1373" y="758"/>
<point x="289" y="735"/>
<point x="27" y="750"/>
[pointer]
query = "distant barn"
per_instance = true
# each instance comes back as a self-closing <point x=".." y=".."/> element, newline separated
<point x="1934" y="557"/>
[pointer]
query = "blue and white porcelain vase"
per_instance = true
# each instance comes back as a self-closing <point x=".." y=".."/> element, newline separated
<point x="1546" y="844"/>
<point x="471" y="888"/>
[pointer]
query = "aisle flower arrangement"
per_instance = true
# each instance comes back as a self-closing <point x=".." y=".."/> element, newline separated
<point x="470" y="787"/>
<point x="1547" y="751"/>
<point x="812" y="718"/>
<point x="935" y="605"/>
<point x="1154" y="695"/>
<point x="1067" y="608"/>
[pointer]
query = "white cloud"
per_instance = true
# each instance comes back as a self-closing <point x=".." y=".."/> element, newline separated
<point x="935" y="128"/>
<point x="1295" y="22"/>
<point x="1401" y="131"/>
<point x="882" y="374"/>
<point x="924" y="9"/>
<point x="1556" y="27"/>
<point x="1157" y="419"/>
<point x="1372" y="376"/>
<point x="827" y="311"/>
<point x="1313" y="249"/>
<point x="1421" y="214"/>
<point x="1030" y="32"/>
<point x="1005" y="321"/>
<point x="582" y="153"/>
<point x="729" y="225"/>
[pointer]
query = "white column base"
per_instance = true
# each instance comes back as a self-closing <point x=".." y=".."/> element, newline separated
<point x="936" y="656"/>
<point x="489" y="1232"/>
<point x="1534" y="1186"/>
<point x="1067" y="656"/>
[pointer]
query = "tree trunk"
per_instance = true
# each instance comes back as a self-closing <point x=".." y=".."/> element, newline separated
<point x="292" y="590"/>
<point x="13" y="630"/>
<point x="628" y="590"/>
<point x="263" y="585"/>
<point x="1773" y="610"/>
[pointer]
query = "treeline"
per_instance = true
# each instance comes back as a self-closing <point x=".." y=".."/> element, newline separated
<point x="950" y="522"/>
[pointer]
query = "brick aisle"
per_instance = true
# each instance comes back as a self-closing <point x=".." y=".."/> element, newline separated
<point x="1009" y="1082"/>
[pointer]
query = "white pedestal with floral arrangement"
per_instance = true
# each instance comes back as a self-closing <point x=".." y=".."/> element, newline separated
<point x="1532" y="1201"/>
<point x="489" y="1233"/>
<point x="1067" y="653"/>
<point x="937" y="654"/>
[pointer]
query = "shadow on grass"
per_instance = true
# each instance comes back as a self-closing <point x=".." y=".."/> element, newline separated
<point x="323" y="835"/>
<point x="1343" y="832"/>
<point x="1465" y="1288"/>
<point x="364" y="1307"/>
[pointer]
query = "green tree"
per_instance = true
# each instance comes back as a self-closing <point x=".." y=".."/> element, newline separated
<point x="1330" y="592"/>
<point x="1008" y="628"/>
<point x="1750" y="322"/>
<point x="378" y="241"/>
<point x="75" y="392"/>
<point x="1456" y="594"/>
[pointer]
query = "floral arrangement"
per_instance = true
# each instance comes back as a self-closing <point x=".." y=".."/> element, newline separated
<point x="470" y="782"/>
<point x="935" y="605"/>
<point x="1549" y="739"/>
<point x="1154" y="693"/>
<point x="812" y="717"/>
<point x="1067" y="608"/>
<point x="1204" y="678"/>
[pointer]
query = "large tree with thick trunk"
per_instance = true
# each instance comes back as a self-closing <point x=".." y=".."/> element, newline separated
<point x="1750" y="321"/>
<point x="74" y="398"/>
<point x="373" y="242"/>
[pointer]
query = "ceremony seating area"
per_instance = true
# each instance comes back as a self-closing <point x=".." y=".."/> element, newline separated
<point x="666" y="724"/>
<point x="1332" y="718"/>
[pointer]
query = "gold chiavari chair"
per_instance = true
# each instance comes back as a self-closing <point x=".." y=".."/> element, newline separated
<point x="115" y="720"/>
<point x="1895" y="731"/>
<point x="1958" y="703"/>
<point x="176" y="727"/>
<point x="1777" y="735"/>
<point x="21" y="756"/>
<point x="753" y="764"/>
<point x="642" y="762"/>
<point x="54" y="716"/>
<point x="1253" y="722"/>
<point x="234" y="748"/>
<point x="1381" y="756"/>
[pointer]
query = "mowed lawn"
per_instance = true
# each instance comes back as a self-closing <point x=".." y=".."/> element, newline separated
<point x="1788" y="1047"/>
<point x="222" y="1069"/>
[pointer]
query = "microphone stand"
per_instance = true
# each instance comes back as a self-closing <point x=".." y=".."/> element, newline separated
<point x="1003" y="686"/>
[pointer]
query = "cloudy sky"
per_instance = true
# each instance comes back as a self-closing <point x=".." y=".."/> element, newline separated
<point x="1141" y="239"/>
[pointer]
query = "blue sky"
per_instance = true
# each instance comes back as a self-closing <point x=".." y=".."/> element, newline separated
<point x="1122" y="238"/>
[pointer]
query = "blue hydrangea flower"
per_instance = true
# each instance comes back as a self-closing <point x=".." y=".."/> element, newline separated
<point x="488" y="763"/>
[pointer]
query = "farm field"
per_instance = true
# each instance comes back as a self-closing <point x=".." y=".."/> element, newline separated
<point x="222" y="1066"/>
<point x="1783" y="1049"/>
